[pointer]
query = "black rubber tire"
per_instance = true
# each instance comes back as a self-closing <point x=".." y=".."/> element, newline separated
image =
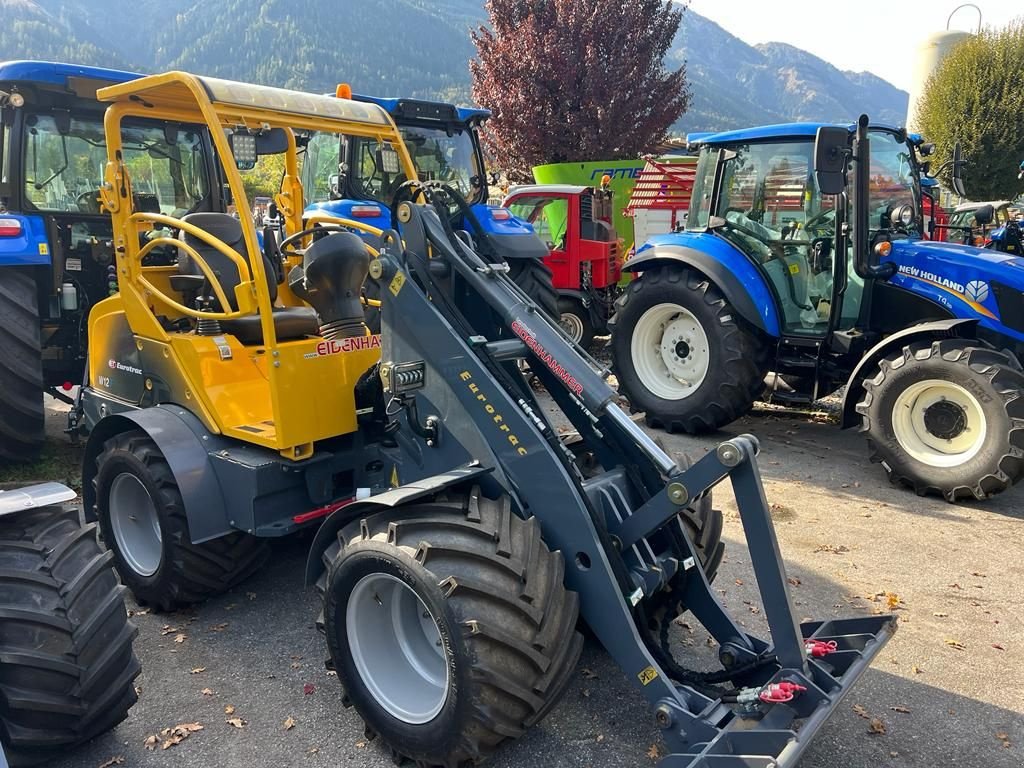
<point x="22" y="418"/>
<point x="571" y="306"/>
<point x="993" y="377"/>
<point x="735" y="377"/>
<point x="534" y="277"/>
<point x="497" y="595"/>
<point x="188" y="573"/>
<point x="66" y="661"/>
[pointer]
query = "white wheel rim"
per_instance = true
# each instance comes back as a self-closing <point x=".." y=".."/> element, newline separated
<point x="939" y="423"/>
<point x="572" y="324"/>
<point x="670" y="351"/>
<point x="396" y="645"/>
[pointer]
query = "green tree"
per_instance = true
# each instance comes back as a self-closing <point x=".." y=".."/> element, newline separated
<point x="976" y="97"/>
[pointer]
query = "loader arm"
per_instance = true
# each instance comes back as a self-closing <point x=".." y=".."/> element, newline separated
<point x="456" y="395"/>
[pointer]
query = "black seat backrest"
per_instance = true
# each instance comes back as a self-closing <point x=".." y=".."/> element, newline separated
<point x="228" y="230"/>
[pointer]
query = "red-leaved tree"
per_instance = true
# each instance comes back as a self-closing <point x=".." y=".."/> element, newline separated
<point x="570" y="81"/>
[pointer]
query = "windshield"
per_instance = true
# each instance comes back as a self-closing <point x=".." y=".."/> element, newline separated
<point x="894" y="180"/>
<point x="436" y="155"/>
<point x="548" y="215"/>
<point x="63" y="171"/>
<point x="319" y="164"/>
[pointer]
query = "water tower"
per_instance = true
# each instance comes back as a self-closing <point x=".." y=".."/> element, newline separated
<point x="930" y="53"/>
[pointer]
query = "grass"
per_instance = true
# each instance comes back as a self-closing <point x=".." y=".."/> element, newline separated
<point x="59" y="461"/>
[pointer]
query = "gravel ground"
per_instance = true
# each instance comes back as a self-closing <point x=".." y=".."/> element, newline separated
<point x="949" y="688"/>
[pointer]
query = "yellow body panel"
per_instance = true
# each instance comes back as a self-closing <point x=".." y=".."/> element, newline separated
<point x="283" y="395"/>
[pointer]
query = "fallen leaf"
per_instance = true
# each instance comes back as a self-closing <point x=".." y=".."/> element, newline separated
<point x="998" y="647"/>
<point x="151" y="743"/>
<point x="314" y="750"/>
<point x="861" y="711"/>
<point x="739" y="582"/>
<point x="251" y="595"/>
<point x="360" y="744"/>
<point x="331" y="673"/>
<point x="892" y="600"/>
<point x="831" y="548"/>
<point x="955" y="644"/>
<point x="917" y="670"/>
<point x="600" y="738"/>
<point x="170" y="737"/>
<point x="236" y="722"/>
<point x="794" y="581"/>
<point x="197" y="671"/>
<point x="876" y="726"/>
<point x="308" y="688"/>
<point x="940" y="615"/>
<point x="653" y="752"/>
<point x="219" y="627"/>
<point x="586" y="693"/>
<point x="1005" y="738"/>
<point x="900" y="709"/>
<point x="289" y="723"/>
<point x="179" y="638"/>
<point x="589" y="674"/>
<point x="112" y="762"/>
<point x="979" y="575"/>
<point x="167" y="629"/>
<point x="229" y="709"/>
<point x="894" y="753"/>
<point x="296" y="665"/>
<point x="207" y="692"/>
<point x="954" y="586"/>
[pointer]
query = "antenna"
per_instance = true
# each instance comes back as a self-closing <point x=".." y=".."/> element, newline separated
<point x="965" y="5"/>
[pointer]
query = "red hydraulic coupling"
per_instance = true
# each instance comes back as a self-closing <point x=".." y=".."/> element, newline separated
<point x="777" y="693"/>
<point x="819" y="648"/>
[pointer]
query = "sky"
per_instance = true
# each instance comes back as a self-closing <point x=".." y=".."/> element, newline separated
<point x="879" y="36"/>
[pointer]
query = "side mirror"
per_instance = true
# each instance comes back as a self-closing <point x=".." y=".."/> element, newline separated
<point x="272" y="142"/>
<point x="984" y="215"/>
<point x="334" y="186"/>
<point x="958" y="170"/>
<point x="830" y="148"/>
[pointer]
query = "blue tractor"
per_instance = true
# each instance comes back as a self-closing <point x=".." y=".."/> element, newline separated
<point x="56" y="247"/>
<point x="358" y="180"/>
<point x="805" y="255"/>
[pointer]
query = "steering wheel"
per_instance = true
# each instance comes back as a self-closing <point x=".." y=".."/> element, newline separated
<point x="749" y="232"/>
<point x="289" y="246"/>
<point x="819" y="218"/>
<point x="88" y="202"/>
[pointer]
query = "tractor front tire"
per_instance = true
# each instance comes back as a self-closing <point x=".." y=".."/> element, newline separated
<point x="535" y="279"/>
<point x="449" y="626"/>
<point x="947" y="417"/>
<point x="66" y="662"/>
<point x="576" y="321"/>
<point x="681" y="354"/>
<point x="142" y="517"/>
<point x="22" y="418"/>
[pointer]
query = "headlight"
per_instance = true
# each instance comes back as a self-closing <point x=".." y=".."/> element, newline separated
<point x="902" y="216"/>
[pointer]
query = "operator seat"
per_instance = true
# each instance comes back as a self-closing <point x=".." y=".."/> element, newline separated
<point x="289" y="322"/>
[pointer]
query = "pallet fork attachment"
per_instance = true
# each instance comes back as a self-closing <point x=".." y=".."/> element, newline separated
<point x="461" y="398"/>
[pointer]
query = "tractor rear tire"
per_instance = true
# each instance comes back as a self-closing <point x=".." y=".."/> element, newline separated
<point x="22" y="418"/>
<point x="718" y="364"/>
<point x="947" y="417"/>
<point x="489" y="613"/>
<point x="534" y="277"/>
<point x="142" y="517"/>
<point x="576" y="321"/>
<point x="66" y="661"/>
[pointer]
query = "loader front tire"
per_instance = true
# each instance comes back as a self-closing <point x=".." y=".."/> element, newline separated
<point x="448" y="625"/>
<point x="142" y="517"/>
<point x="66" y="661"/>
<point x="22" y="418"/>
<point x="947" y="417"/>
<point x="534" y="277"/>
<point x="681" y="354"/>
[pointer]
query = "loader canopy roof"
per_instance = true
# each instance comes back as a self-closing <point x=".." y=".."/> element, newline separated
<point x="247" y="102"/>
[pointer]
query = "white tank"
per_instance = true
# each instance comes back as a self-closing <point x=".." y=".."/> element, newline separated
<point x="930" y="53"/>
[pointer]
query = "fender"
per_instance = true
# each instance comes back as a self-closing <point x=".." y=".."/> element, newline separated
<point x="935" y="329"/>
<point x="428" y="486"/>
<point x="179" y="436"/>
<point x="733" y="273"/>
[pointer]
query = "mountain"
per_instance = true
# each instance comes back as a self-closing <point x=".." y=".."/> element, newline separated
<point x="415" y="48"/>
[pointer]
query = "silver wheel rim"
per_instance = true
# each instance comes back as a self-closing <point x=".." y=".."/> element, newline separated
<point x="396" y="646"/>
<point x="572" y="324"/>
<point x="962" y="421"/>
<point x="136" y="524"/>
<point x="670" y="351"/>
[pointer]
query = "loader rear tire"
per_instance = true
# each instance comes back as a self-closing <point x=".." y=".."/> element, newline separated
<point x="22" y="417"/>
<point x="535" y="278"/>
<point x="947" y="417"/>
<point x="448" y="625"/>
<point x="681" y="354"/>
<point x="66" y="661"/>
<point x="142" y="517"/>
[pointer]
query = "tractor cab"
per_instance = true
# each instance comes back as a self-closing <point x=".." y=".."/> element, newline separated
<point x="584" y="252"/>
<point x="358" y="179"/>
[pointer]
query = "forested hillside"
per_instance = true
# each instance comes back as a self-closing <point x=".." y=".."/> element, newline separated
<point x="415" y="48"/>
